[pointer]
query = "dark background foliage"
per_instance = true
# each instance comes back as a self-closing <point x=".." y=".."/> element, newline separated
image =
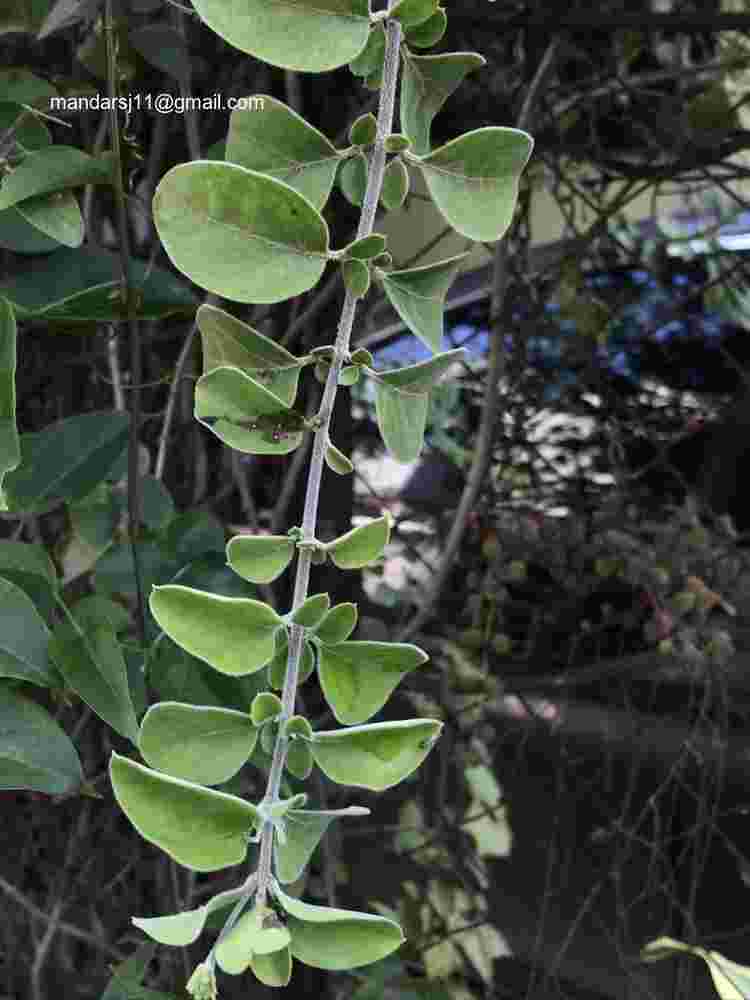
<point x="628" y="813"/>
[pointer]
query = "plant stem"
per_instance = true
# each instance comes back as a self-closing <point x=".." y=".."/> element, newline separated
<point x="369" y="207"/>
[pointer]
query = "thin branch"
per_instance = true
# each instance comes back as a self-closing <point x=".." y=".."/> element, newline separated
<point x="61" y="925"/>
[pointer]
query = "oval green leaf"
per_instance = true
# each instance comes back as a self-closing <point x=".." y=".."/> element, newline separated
<point x="395" y="185"/>
<point x="376" y="756"/>
<point x="473" y="180"/>
<point x="271" y="138"/>
<point x="328" y="938"/>
<point x="66" y="460"/>
<point x="356" y="275"/>
<point x="362" y="545"/>
<point x="337" y="461"/>
<point x="312" y="36"/>
<point x="358" y="678"/>
<point x="304" y="830"/>
<point x="239" y="233"/>
<point x="426" y="84"/>
<point x="29" y="566"/>
<point x="93" y="666"/>
<point x="228" y="342"/>
<point x="198" y="743"/>
<point x="245" y="415"/>
<point x="53" y="169"/>
<point x="274" y="969"/>
<point x="35" y="753"/>
<point x="312" y="612"/>
<point x="181" y="929"/>
<point x="429" y="33"/>
<point x="257" y="932"/>
<point x="370" y="59"/>
<point x="352" y="179"/>
<point x="83" y="285"/>
<point x="24" y="639"/>
<point x="57" y="215"/>
<point x="401" y="403"/>
<point x="260" y="558"/>
<point x="266" y="706"/>
<point x="418" y="296"/>
<point x="234" y="635"/>
<point x="200" y="828"/>
<point x="338" y="624"/>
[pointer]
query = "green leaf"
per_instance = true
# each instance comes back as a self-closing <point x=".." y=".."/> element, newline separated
<point x="84" y="285"/>
<point x="66" y="460"/>
<point x="157" y="505"/>
<point x="164" y="47"/>
<point x="35" y="753"/>
<point x="347" y="377"/>
<point x="239" y="233"/>
<point x="337" y="461"/>
<point x="363" y="130"/>
<point x="200" y="828"/>
<point x="370" y="59"/>
<point x="265" y="707"/>
<point x="299" y="760"/>
<point x="22" y="87"/>
<point x="230" y="393"/>
<point x="358" y="678"/>
<point x="192" y="534"/>
<point x="53" y="169"/>
<point x="10" y="448"/>
<point x="29" y="566"/>
<point x="312" y="611"/>
<point x="242" y="413"/>
<point x="175" y="675"/>
<point x="413" y="12"/>
<point x="397" y="142"/>
<point x="328" y="938"/>
<point x="362" y="545"/>
<point x="93" y="666"/>
<point x="126" y="982"/>
<point x="114" y="572"/>
<point x="356" y="276"/>
<point x="184" y="928"/>
<point x="426" y="84"/>
<point x="304" y="831"/>
<point x="57" y="215"/>
<point x="429" y="32"/>
<point x="395" y="185"/>
<point x="308" y="35"/>
<point x="228" y="342"/>
<point x="367" y="247"/>
<point x="24" y="639"/>
<point x="198" y="743"/>
<point x="376" y="756"/>
<point x="29" y="132"/>
<point x="274" y="969"/>
<point x="338" y="624"/>
<point x="473" y="180"/>
<point x="732" y="980"/>
<point x="352" y="179"/>
<point x="418" y="296"/>
<point x="94" y="610"/>
<point x="234" y="635"/>
<point x="271" y="138"/>
<point x="401" y="402"/>
<point x="20" y="236"/>
<point x="260" y="558"/>
<point x="257" y="932"/>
